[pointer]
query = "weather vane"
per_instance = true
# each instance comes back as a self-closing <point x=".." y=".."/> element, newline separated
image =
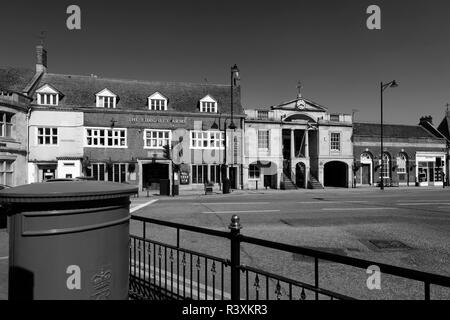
<point x="299" y="88"/>
<point x="42" y="37"/>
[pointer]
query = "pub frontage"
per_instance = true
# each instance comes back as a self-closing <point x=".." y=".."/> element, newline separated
<point x="142" y="132"/>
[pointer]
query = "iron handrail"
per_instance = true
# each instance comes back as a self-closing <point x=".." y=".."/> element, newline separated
<point x="351" y="261"/>
<point x="186" y="227"/>
<point x="296" y="283"/>
<point x="195" y="253"/>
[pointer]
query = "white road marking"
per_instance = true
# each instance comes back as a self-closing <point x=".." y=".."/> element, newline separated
<point x="4" y="258"/>
<point x="326" y="201"/>
<point x="246" y="211"/>
<point x="219" y="203"/>
<point x="425" y="200"/>
<point x="142" y="205"/>
<point x="423" y="203"/>
<point x="362" y="209"/>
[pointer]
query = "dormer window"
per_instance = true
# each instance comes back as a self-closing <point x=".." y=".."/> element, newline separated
<point x="106" y="99"/>
<point x="208" y="104"/>
<point x="157" y="102"/>
<point x="48" y="96"/>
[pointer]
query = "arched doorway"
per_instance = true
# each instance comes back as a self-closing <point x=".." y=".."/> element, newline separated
<point x="335" y="174"/>
<point x="366" y="168"/>
<point x="300" y="175"/>
<point x="402" y="168"/>
<point x="386" y="169"/>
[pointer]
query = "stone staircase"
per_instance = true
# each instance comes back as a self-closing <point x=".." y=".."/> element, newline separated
<point x="287" y="184"/>
<point x="313" y="183"/>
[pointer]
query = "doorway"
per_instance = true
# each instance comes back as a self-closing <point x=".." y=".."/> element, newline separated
<point x="152" y="173"/>
<point x="365" y="173"/>
<point x="233" y="177"/>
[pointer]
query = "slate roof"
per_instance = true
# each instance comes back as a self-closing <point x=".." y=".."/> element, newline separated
<point x="15" y="79"/>
<point x="444" y="126"/>
<point x="391" y="130"/>
<point x="80" y="91"/>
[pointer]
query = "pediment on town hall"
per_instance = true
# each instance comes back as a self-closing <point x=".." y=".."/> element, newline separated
<point x="300" y="104"/>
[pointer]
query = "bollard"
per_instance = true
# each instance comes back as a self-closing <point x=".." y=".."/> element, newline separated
<point x="235" y="228"/>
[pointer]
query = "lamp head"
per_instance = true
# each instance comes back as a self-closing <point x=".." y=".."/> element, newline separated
<point x="214" y="125"/>
<point x="232" y="126"/>
<point x="394" y="84"/>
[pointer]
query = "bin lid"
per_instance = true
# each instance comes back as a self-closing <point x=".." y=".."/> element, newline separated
<point x="66" y="191"/>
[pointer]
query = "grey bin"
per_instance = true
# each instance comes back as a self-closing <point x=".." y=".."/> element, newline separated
<point x="68" y="240"/>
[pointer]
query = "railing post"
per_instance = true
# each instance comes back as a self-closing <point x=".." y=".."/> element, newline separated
<point x="235" y="228"/>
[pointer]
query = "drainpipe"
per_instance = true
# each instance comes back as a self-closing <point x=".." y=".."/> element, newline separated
<point x="28" y="141"/>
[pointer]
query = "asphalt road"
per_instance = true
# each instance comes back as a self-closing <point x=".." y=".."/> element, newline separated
<point x="342" y="221"/>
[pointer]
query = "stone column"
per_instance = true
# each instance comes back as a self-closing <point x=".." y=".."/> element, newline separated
<point x="306" y="144"/>
<point x="292" y="144"/>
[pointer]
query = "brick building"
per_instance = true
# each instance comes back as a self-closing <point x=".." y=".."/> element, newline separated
<point x="412" y="155"/>
<point x="136" y="132"/>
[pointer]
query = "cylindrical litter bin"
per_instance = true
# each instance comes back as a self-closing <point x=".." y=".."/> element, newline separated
<point x="68" y="240"/>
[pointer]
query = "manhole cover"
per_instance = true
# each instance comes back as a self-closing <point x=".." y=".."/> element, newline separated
<point x="319" y="199"/>
<point x="389" y="244"/>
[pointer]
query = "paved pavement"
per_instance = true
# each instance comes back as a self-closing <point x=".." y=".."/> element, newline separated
<point x="336" y="220"/>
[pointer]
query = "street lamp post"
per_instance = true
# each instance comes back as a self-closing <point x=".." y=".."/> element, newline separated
<point x="384" y="86"/>
<point x="223" y="170"/>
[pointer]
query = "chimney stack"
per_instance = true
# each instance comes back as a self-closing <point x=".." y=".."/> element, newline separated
<point x="41" y="59"/>
<point x="426" y="119"/>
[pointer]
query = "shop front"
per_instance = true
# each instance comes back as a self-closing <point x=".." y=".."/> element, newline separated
<point x="430" y="169"/>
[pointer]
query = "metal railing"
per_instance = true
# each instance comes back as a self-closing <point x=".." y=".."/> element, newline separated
<point x="162" y="271"/>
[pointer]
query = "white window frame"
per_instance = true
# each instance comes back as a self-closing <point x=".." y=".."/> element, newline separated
<point x="401" y="159"/>
<point x="262" y="141"/>
<point x="386" y="172"/>
<point x="4" y="124"/>
<point x="206" y="139"/>
<point x="4" y="172"/>
<point x="47" y="96"/>
<point x="51" y="135"/>
<point x="108" y="133"/>
<point x="334" y="142"/>
<point x="208" y="105"/>
<point x="106" y="96"/>
<point x="251" y="173"/>
<point x="157" y="102"/>
<point x="157" y="138"/>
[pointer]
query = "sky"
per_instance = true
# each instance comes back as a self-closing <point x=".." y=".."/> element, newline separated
<point x="325" y="45"/>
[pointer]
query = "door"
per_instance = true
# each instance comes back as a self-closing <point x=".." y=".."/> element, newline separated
<point x="365" y="173"/>
<point x="233" y="176"/>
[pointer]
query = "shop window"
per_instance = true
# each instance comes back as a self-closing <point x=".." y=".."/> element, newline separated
<point x="199" y="173"/>
<point x="157" y="139"/>
<point x="106" y="138"/>
<point x="6" y="172"/>
<point x="254" y="171"/>
<point x="5" y="124"/>
<point x="47" y="136"/>
<point x="214" y="175"/>
<point x="97" y="171"/>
